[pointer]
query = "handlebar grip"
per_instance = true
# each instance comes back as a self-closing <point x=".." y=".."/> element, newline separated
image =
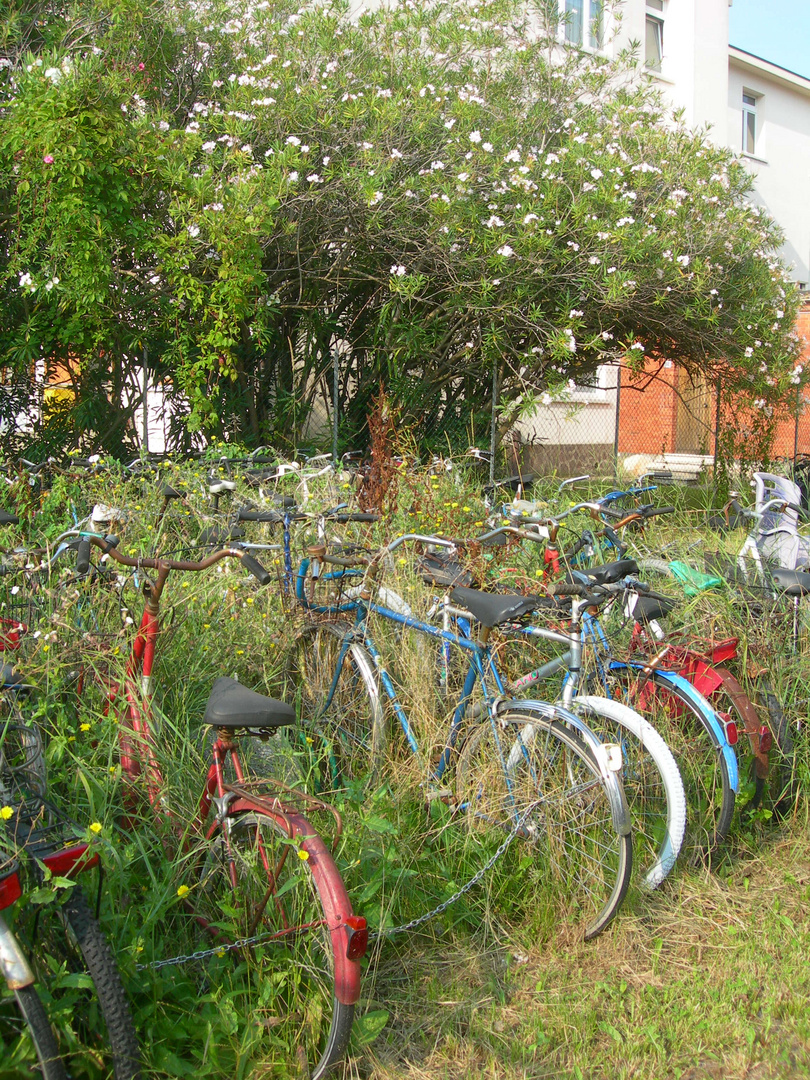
<point x="611" y="511"/>
<point x="643" y="590"/>
<point x="568" y="588"/>
<point x="271" y="516"/>
<point x="654" y="511"/>
<point x="344" y="518"/>
<point x="83" y="556"/>
<point x="263" y="576"/>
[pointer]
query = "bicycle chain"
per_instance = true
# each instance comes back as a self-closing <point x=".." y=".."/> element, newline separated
<point x="220" y="950"/>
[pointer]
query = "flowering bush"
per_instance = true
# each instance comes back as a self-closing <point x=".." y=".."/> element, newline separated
<point x="434" y="189"/>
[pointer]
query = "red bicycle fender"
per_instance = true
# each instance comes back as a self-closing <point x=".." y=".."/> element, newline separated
<point x="748" y="712"/>
<point x="336" y="904"/>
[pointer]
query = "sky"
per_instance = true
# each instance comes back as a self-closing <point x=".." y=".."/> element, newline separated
<point x="775" y="30"/>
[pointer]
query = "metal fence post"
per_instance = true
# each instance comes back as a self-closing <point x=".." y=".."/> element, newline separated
<point x="493" y="434"/>
<point x="145" y="402"/>
<point x="335" y="394"/>
<point x="616" y="422"/>
<point x="796" y="429"/>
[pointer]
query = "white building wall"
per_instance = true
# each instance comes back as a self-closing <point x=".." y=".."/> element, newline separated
<point x="781" y="162"/>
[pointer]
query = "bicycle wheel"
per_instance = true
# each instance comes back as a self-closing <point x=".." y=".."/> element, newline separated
<point x="344" y="705"/>
<point x="79" y="981"/>
<point x="41" y="1032"/>
<point x="256" y="885"/>
<point x="22" y="753"/>
<point x="526" y="772"/>
<point x="652" y="785"/>
<point x="701" y="762"/>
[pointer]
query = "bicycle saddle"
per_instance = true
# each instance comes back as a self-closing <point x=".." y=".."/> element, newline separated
<point x="792" y="582"/>
<point x="609" y="573"/>
<point x="648" y="609"/>
<point x="231" y="705"/>
<point x="492" y="609"/>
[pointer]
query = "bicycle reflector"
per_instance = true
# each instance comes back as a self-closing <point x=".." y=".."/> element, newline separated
<point x="765" y="739"/>
<point x="358" y="937"/>
<point x="730" y="728"/>
<point x="71" y="860"/>
<point x="10" y="889"/>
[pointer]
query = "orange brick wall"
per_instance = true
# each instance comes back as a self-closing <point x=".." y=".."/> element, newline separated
<point x="647" y="418"/>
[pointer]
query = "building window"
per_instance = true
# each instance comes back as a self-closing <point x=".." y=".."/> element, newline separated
<point x="749" y="122"/>
<point x="654" y="42"/>
<point x="576" y="12"/>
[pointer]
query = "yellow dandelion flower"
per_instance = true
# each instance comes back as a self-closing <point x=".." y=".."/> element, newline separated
<point x="303" y="855"/>
<point x="96" y="827"/>
<point x="84" y="727"/>
<point x="6" y="813"/>
<point x="182" y="890"/>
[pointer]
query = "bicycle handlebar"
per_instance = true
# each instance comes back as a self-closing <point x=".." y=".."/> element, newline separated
<point x="109" y="545"/>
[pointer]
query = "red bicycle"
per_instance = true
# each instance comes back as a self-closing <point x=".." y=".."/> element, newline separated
<point x="258" y="879"/>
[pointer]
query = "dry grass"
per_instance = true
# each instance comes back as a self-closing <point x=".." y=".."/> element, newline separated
<point x="707" y="978"/>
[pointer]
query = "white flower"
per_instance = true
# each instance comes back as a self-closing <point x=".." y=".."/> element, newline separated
<point x="398" y="270"/>
<point x="683" y="260"/>
<point x="475" y="136"/>
<point x="575" y="313"/>
<point x="54" y="74"/>
<point x="449" y="124"/>
<point x="494" y="222"/>
<point x="488" y="147"/>
<point x="506" y="251"/>
<point x="293" y="176"/>
<point x="396" y="154"/>
<point x="292" y="140"/>
<point x="313" y="178"/>
<point x="209" y="147"/>
<point x="163" y="126"/>
<point x="637" y="345"/>
<point x="607" y="336"/>
<point x="513" y="155"/>
<point x="597" y="174"/>
<point x="193" y="230"/>
<point x="594" y="260"/>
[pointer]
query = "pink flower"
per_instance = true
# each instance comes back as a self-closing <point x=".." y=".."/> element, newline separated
<point x="141" y="67"/>
<point x="48" y="159"/>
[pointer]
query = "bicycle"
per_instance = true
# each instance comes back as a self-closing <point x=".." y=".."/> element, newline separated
<point x="525" y="765"/>
<point x="69" y="960"/>
<point x="262" y="883"/>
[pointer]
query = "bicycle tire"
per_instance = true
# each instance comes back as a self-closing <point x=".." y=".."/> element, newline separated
<point x="522" y="763"/>
<point x="289" y="985"/>
<point x="652" y="785"/>
<point x="77" y="974"/>
<point x="710" y="795"/>
<point x="784" y="789"/>
<point x="353" y="719"/>
<point x="41" y="1032"/>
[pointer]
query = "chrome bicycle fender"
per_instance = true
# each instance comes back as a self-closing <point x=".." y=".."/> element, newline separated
<point x="13" y="964"/>
<point x="608" y="761"/>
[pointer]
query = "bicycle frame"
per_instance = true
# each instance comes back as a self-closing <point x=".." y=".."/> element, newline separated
<point x="481" y="667"/>
<point x="138" y="757"/>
